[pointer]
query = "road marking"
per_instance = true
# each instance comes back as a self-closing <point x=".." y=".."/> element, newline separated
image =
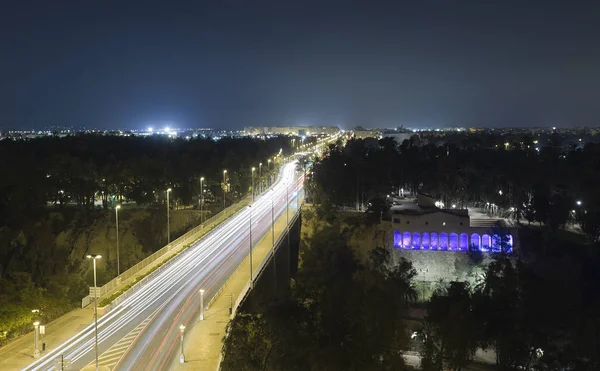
<point x="113" y="354"/>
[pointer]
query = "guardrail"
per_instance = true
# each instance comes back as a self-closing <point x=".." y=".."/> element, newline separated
<point x="248" y="286"/>
<point x="174" y="247"/>
<point x="260" y="268"/>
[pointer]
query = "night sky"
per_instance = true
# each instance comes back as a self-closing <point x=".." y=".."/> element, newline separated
<point x="229" y="64"/>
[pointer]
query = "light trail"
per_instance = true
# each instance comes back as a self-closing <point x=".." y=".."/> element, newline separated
<point x="172" y="291"/>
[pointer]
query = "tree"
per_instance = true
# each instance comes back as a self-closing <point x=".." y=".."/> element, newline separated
<point x="449" y="329"/>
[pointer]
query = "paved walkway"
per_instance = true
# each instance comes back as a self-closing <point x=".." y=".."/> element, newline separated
<point x="19" y="353"/>
<point x="203" y="342"/>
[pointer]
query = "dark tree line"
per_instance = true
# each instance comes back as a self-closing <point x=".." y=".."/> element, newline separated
<point x="62" y="186"/>
<point x="341" y="314"/>
<point x="541" y="316"/>
<point x="546" y="185"/>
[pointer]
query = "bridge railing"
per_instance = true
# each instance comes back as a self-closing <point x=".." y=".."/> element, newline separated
<point x="174" y="247"/>
<point x="259" y="269"/>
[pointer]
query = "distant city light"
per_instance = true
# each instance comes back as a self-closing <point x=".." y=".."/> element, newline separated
<point x="150" y="129"/>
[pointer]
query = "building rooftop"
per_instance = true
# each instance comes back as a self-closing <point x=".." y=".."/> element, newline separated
<point x="423" y="205"/>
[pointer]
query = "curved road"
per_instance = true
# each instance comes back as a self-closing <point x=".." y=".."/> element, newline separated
<point x="170" y="297"/>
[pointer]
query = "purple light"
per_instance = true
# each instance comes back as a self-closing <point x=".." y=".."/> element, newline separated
<point x="443" y="241"/>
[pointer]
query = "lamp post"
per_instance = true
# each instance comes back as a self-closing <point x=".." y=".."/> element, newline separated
<point x="201" y="200"/>
<point x="273" y="240"/>
<point x="253" y="170"/>
<point x="94" y="257"/>
<point x="224" y="188"/>
<point x="181" y="357"/>
<point x="36" y="349"/>
<point x="168" y="219"/>
<point x="201" y="304"/>
<point x="297" y="200"/>
<point x="269" y="169"/>
<point x="117" y="224"/>
<point x="250" y="252"/>
<point x="260" y="176"/>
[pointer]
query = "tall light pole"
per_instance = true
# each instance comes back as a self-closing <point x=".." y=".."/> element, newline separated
<point x="168" y="219"/>
<point x="117" y="224"/>
<point x="253" y="170"/>
<point x="181" y="357"/>
<point x="297" y="200"/>
<point x="224" y="187"/>
<point x="268" y="171"/>
<point x="36" y="323"/>
<point x="94" y="257"/>
<point x="201" y="304"/>
<point x="260" y="176"/>
<point x="273" y="240"/>
<point x="250" y="252"/>
<point x="287" y="203"/>
<point x="36" y="349"/>
<point x="201" y="200"/>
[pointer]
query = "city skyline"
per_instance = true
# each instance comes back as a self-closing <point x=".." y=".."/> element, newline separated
<point x="229" y="65"/>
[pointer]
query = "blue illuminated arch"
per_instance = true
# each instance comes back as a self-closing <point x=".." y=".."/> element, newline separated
<point x="416" y="241"/>
<point x="476" y="241"/>
<point x="397" y="239"/>
<point x="425" y="241"/>
<point x="496" y="243"/>
<point x="486" y="242"/>
<point x="406" y="240"/>
<point x="453" y="242"/>
<point x="509" y="242"/>
<point x="433" y="241"/>
<point x="463" y="242"/>
<point x="443" y="241"/>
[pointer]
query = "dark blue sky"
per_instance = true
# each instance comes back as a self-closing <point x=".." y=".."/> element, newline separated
<point x="125" y="64"/>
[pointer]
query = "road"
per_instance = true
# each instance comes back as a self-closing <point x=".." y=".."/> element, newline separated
<point x="142" y="332"/>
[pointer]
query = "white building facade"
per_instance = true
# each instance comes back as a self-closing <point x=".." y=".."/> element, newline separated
<point x="422" y="226"/>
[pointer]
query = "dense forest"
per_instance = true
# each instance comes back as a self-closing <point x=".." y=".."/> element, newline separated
<point x="55" y="190"/>
<point x="547" y="185"/>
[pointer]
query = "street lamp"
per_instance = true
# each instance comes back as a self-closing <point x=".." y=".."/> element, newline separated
<point x="297" y="200"/>
<point x="94" y="257"/>
<point x="168" y="219"/>
<point x="273" y="239"/>
<point x="268" y="170"/>
<point x="253" y="170"/>
<point x="36" y="349"/>
<point x="181" y="357"/>
<point x="250" y="252"/>
<point x="578" y="202"/>
<point x="224" y="188"/>
<point x="117" y="223"/>
<point x="201" y="199"/>
<point x="260" y="176"/>
<point x="201" y="304"/>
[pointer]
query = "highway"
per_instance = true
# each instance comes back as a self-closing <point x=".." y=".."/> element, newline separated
<point x="170" y="298"/>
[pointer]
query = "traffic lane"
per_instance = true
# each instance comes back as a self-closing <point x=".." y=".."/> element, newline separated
<point x="146" y="345"/>
<point x="164" y="348"/>
<point x="164" y="318"/>
<point x="83" y="342"/>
